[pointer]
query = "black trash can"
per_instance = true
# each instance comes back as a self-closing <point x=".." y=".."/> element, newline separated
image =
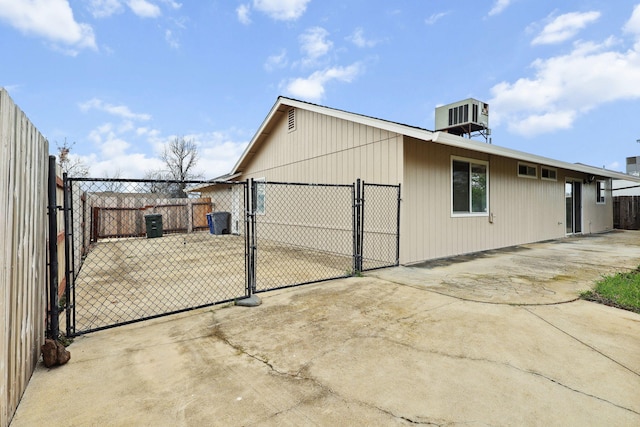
<point x="153" y="223"/>
<point x="218" y="222"/>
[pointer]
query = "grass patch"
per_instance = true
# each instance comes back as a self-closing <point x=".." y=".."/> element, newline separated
<point x="620" y="290"/>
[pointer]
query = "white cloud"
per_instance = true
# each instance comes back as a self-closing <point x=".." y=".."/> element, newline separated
<point x="116" y="110"/>
<point x="173" y="4"/>
<point x="114" y="147"/>
<point x="313" y="87"/>
<point x="171" y="39"/>
<point x="218" y="151"/>
<point x="144" y="9"/>
<point x="104" y="8"/>
<point x="314" y="44"/>
<point x="118" y="149"/>
<point x="564" y="27"/>
<point x="435" y="18"/>
<point x="130" y="165"/>
<point x="567" y="86"/>
<point x="276" y="61"/>
<point x="552" y="121"/>
<point x="499" y="6"/>
<point x="282" y="10"/>
<point x="243" y="12"/>
<point x="51" y="19"/>
<point x="359" y="39"/>
<point x="633" y="24"/>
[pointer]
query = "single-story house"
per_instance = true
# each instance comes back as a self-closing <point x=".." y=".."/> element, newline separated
<point x="458" y="195"/>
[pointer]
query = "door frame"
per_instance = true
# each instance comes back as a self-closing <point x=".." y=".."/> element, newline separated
<point x="576" y="206"/>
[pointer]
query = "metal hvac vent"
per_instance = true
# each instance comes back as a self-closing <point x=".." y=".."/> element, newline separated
<point x="291" y="119"/>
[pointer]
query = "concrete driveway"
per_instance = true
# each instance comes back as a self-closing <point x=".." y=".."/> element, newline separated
<point x="498" y="339"/>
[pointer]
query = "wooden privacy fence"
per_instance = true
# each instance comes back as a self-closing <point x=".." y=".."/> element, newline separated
<point x="626" y="212"/>
<point x="24" y="155"/>
<point x="114" y="216"/>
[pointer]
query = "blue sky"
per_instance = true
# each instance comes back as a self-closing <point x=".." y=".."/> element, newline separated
<point x="120" y="78"/>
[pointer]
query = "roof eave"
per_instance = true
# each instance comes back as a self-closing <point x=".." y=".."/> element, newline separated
<point x="457" y="141"/>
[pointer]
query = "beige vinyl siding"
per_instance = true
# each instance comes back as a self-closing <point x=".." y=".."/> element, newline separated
<point x="524" y="210"/>
<point x="597" y="217"/>
<point x="329" y="150"/>
<point x="322" y="221"/>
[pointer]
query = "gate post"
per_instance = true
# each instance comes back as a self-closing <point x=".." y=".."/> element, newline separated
<point x="252" y="300"/>
<point x="398" y="227"/>
<point x="54" y="328"/>
<point x="68" y="253"/>
<point x="357" y="227"/>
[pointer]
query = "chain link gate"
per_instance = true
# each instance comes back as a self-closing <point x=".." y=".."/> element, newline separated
<point x="140" y="249"/>
<point x="306" y="233"/>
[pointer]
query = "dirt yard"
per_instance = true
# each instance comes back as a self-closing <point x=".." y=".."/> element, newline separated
<point x="122" y="280"/>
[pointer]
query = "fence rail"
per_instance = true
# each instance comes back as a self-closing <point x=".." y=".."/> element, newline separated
<point x="24" y="154"/>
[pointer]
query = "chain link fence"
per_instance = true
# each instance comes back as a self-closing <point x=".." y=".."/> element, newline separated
<point x="141" y="249"/>
<point x="139" y="252"/>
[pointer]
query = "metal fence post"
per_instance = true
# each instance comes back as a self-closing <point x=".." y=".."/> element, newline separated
<point x="252" y="299"/>
<point x="357" y="255"/>
<point x="398" y="228"/>
<point x="354" y="214"/>
<point x="68" y="253"/>
<point x="53" y="330"/>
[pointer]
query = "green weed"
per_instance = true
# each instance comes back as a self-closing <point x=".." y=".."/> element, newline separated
<point x="620" y="290"/>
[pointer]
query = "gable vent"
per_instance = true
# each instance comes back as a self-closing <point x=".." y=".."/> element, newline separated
<point x="291" y="120"/>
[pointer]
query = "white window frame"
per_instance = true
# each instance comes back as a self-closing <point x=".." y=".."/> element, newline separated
<point x="485" y="163"/>
<point x="528" y="165"/>
<point x="602" y="201"/>
<point x="261" y="193"/>
<point x="554" y="170"/>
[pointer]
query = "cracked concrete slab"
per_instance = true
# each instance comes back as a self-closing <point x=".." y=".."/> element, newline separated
<point x="369" y="351"/>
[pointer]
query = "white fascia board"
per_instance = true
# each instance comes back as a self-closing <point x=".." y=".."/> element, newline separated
<point x="457" y="141"/>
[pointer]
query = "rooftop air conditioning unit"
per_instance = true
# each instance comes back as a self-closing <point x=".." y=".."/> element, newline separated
<point x="463" y="117"/>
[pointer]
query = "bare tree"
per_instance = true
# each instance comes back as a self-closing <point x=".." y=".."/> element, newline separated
<point x="74" y="166"/>
<point x="180" y="157"/>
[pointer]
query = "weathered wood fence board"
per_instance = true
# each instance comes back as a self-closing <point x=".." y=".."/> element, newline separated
<point x="24" y="154"/>
<point x="626" y="212"/>
<point x="120" y="215"/>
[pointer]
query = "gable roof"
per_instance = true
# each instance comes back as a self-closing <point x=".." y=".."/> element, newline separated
<point x="283" y="104"/>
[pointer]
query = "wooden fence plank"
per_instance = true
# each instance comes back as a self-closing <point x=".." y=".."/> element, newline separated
<point x="23" y="225"/>
<point x="626" y="212"/>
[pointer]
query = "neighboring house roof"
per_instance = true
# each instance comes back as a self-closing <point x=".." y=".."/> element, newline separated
<point x="283" y="104"/>
<point x="217" y="180"/>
